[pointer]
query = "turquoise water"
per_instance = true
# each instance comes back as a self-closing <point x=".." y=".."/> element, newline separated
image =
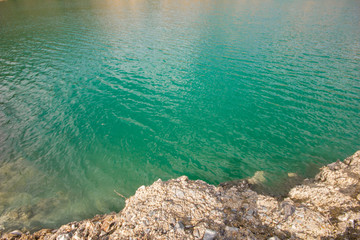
<point x="97" y="96"/>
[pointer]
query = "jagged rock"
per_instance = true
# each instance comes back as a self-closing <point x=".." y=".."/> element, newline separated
<point x="63" y="237"/>
<point x="324" y="208"/>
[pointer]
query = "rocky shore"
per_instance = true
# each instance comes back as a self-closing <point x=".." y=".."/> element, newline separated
<point x="327" y="207"/>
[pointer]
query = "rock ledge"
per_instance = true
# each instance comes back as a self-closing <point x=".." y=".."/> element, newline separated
<point x="326" y="207"/>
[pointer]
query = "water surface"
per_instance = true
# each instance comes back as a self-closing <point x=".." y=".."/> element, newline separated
<point x="97" y="96"/>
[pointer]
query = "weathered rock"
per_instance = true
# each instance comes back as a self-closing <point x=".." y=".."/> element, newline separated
<point x="63" y="237"/>
<point x="324" y="208"/>
<point x="179" y="226"/>
<point x="334" y="193"/>
<point x="16" y="233"/>
<point x="274" y="238"/>
<point x="209" y="234"/>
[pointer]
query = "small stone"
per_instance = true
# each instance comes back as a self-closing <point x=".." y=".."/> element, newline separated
<point x="209" y="234"/>
<point x="179" y="194"/>
<point x="258" y="178"/>
<point x="249" y="218"/>
<point x="250" y="212"/>
<point x="343" y="217"/>
<point x="183" y="178"/>
<point x="63" y="237"/>
<point x="274" y="238"/>
<point x="292" y="175"/>
<point x="288" y="209"/>
<point x="231" y="229"/>
<point x="179" y="226"/>
<point x="141" y="188"/>
<point x="334" y="166"/>
<point x="16" y="233"/>
<point x="358" y="197"/>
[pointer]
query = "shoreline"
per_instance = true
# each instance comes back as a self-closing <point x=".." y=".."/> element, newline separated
<point x="326" y="207"/>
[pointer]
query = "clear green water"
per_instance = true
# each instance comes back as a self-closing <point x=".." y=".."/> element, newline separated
<point x="100" y="95"/>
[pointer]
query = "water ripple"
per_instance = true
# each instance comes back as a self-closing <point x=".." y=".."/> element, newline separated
<point x="103" y="95"/>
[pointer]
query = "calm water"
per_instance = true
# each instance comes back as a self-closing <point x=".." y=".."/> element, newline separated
<point x="97" y="95"/>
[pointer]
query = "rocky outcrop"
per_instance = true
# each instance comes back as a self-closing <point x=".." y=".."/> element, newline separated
<point x="326" y="207"/>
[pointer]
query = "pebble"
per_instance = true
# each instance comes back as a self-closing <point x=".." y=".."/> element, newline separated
<point x="231" y="229"/>
<point x="289" y="210"/>
<point x="250" y="212"/>
<point x="179" y="194"/>
<point x="209" y="234"/>
<point x="63" y="237"/>
<point x="179" y="226"/>
<point x="274" y="238"/>
<point x="16" y="233"/>
<point x="292" y="175"/>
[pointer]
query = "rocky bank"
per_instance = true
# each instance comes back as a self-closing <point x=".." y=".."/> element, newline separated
<point x="326" y="207"/>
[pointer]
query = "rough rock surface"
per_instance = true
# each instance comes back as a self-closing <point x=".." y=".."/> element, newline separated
<point x="326" y="207"/>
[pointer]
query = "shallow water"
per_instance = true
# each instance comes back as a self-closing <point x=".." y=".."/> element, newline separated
<point x="97" y="96"/>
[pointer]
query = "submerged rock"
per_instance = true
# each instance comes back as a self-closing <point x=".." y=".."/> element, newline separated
<point x="324" y="208"/>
